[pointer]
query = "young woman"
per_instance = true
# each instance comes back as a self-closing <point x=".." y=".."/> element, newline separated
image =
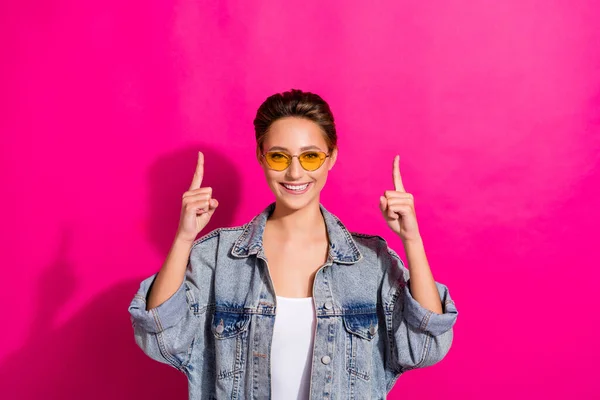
<point x="292" y="305"/>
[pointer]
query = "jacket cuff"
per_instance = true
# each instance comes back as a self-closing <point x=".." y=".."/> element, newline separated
<point x="426" y="320"/>
<point x="162" y="317"/>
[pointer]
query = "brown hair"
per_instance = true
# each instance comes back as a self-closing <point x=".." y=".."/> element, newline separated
<point x="295" y="103"/>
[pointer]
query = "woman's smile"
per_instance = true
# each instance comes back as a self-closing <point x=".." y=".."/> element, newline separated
<point x="296" y="188"/>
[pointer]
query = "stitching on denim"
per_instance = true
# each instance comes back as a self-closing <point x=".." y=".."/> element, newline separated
<point x="166" y="354"/>
<point x="204" y="238"/>
<point x="233" y="228"/>
<point x="348" y="352"/>
<point x="239" y="357"/>
<point x="237" y="246"/>
<point x="216" y="233"/>
<point x="140" y="297"/>
<point x="352" y="368"/>
<point x="356" y="311"/>
<point x="234" y="310"/>
<point x="255" y="362"/>
<point x="365" y="235"/>
<point x="425" y="320"/>
<point x="358" y="332"/>
<point x="186" y="362"/>
<point x="260" y="310"/>
<point x="360" y="374"/>
<point x="159" y="326"/>
<point x="396" y="291"/>
<point x="188" y="293"/>
<point x="230" y="336"/>
<point x="426" y="349"/>
<point x="389" y="324"/>
<point x="226" y="374"/>
<point x="349" y="241"/>
<point x="193" y="305"/>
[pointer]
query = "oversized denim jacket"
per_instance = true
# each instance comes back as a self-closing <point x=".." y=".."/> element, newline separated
<point x="217" y="327"/>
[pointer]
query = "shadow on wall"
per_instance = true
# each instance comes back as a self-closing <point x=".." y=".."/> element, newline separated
<point x="93" y="356"/>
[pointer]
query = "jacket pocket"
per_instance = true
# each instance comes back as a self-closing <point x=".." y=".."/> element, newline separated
<point x="230" y="330"/>
<point x="360" y="331"/>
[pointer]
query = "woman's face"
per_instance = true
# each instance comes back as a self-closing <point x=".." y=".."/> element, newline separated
<point x="295" y="188"/>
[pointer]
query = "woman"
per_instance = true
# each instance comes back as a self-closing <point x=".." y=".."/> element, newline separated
<point x="292" y="305"/>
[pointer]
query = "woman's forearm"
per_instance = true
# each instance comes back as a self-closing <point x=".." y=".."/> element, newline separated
<point x="422" y="284"/>
<point x="171" y="275"/>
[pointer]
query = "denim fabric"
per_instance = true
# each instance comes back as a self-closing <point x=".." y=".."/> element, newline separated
<point x="217" y="327"/>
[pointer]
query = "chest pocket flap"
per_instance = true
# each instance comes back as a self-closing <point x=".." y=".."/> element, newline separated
<point x="362" y="325"/>
<point x="229" y="324"/>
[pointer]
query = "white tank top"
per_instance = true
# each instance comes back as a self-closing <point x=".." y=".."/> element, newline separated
<point x="291" y="349"/>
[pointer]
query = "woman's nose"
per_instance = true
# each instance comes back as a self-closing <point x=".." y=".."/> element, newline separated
<point x="294" y="171"/>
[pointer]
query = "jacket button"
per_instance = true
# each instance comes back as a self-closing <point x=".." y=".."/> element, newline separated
<point x="328" y="304"/>
<point x="372" y="330"/>
<point x="220" y="329"/>
<point x="326" y="360"/>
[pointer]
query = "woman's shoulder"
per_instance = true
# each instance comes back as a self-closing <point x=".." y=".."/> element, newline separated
<point x="372" y="244"/>
<point x="219" y="234"/>
<point x="235" y="235"/>
<point x="368" y="241"/>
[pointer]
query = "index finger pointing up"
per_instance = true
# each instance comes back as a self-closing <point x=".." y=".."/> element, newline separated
<point x="398" y="186"/>
<point x="199" y="174"/>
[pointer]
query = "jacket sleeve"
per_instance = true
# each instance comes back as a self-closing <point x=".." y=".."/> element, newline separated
<point x="416" y="336"/>
<point x="168" y="332"/>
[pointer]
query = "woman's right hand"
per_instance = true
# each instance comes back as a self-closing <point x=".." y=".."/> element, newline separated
<point x="198" y="206"/>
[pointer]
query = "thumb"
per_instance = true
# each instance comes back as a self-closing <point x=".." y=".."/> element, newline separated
<point x="382" y="204"/>
<point x="213" y="204"/>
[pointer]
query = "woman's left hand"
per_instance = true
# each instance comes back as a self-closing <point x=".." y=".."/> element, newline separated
<point x="398" y="208"/>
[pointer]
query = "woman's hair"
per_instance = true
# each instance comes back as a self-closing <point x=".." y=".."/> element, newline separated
<point x="295" y="103"/>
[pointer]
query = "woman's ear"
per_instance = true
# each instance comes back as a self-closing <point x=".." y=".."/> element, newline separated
<point x="333" y="157"/>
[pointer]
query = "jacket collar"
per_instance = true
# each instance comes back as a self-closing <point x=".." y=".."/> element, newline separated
<point x="342" y="248"/>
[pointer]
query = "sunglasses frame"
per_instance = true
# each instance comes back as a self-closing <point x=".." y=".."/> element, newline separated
<point x="264" y="155"/>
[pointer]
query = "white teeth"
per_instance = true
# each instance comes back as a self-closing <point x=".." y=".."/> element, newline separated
<point x="296" y="187"/>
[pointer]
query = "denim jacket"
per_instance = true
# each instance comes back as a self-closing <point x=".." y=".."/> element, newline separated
<point x="217" y="327"/>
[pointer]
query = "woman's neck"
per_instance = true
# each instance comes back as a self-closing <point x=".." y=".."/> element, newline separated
<point x="305" y="221"/>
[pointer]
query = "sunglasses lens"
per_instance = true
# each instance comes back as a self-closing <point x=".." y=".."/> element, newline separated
<point x="312" y="160"/>
<point x="277" y="160"/>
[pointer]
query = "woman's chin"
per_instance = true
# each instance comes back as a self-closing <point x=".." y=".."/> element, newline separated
<point x="294" y="203"/>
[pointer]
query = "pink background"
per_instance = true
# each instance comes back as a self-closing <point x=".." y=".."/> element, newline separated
<point x="494" y="107"/>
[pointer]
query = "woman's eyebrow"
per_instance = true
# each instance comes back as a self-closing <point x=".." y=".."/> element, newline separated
<point x="313" y="147"/>
<point x="279" y="148"/>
